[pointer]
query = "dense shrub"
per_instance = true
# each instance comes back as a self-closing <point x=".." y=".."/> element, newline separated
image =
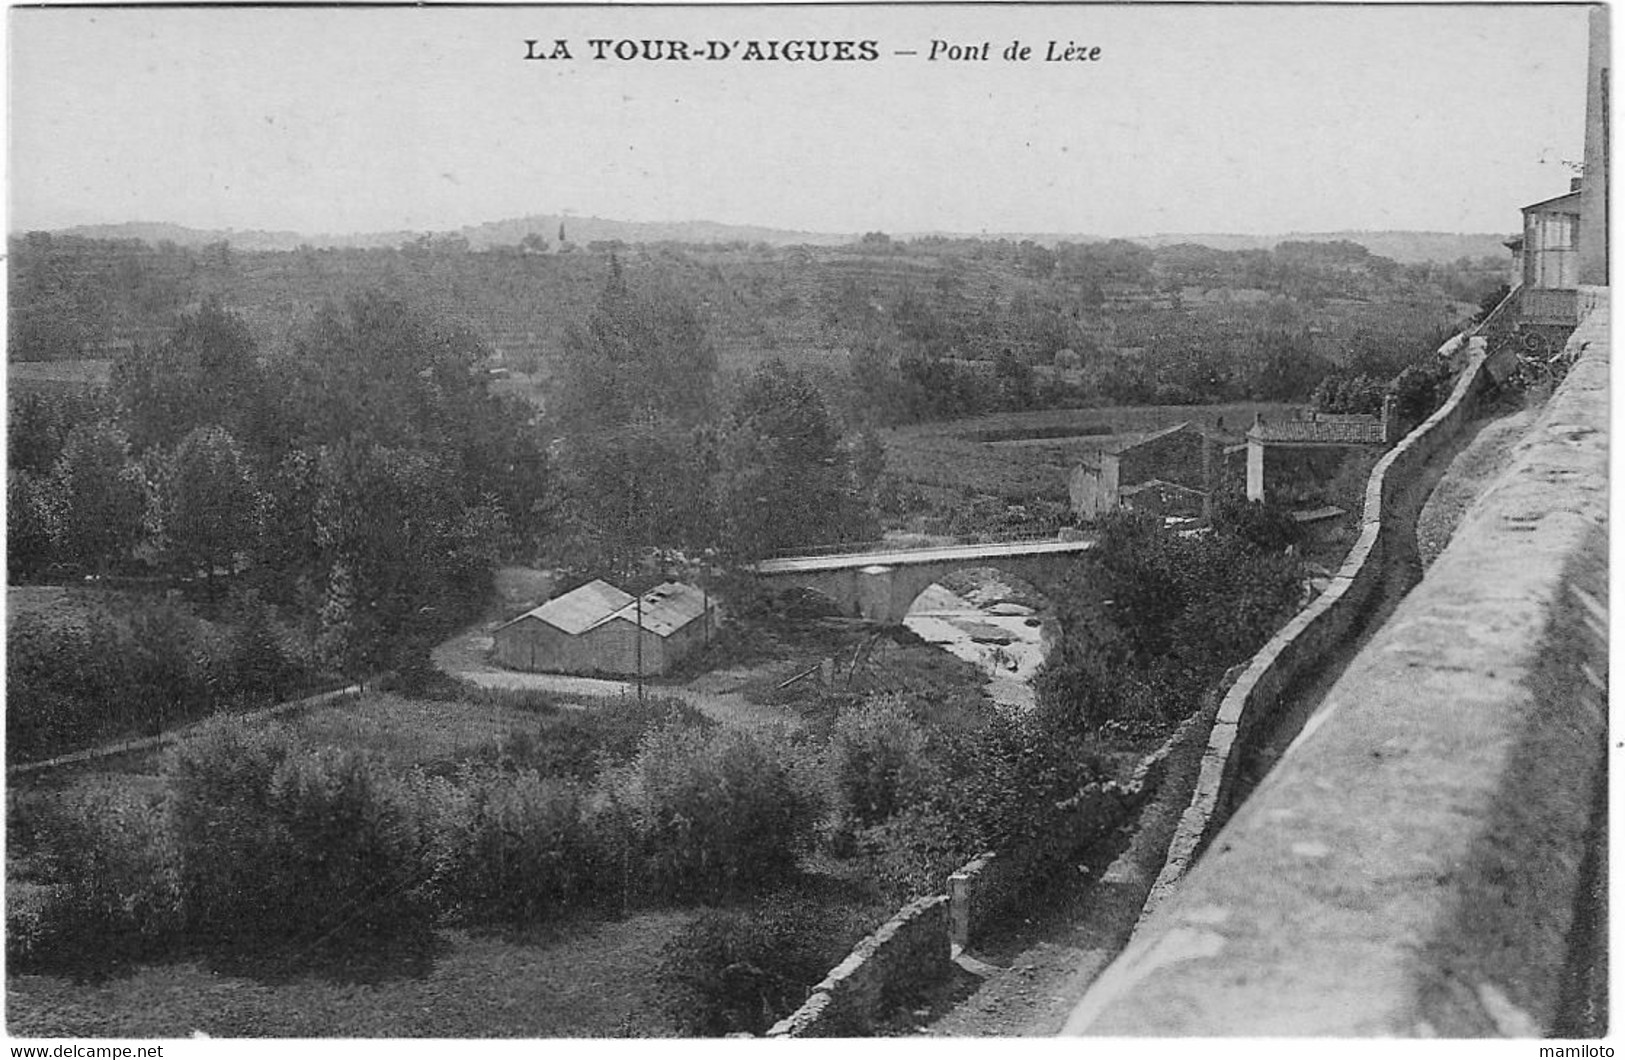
<point x="742" y="971"/>
<point x="115" y="897"/>
<point x="878" y="760"/>
<point x="1161" y="616"/>
<point x="581" y="743"/>
<point x="513" y="847"/>
<point x="1349" y="393"/>
<point x="999" y="789"/>
<point x="713" y="815"/>
<point x="69" y="686"/>
<point x="281" y="845"/>
<point x="1420" y="389"/>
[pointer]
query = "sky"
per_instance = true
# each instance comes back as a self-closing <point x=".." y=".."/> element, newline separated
<point x="1258" y="119"/>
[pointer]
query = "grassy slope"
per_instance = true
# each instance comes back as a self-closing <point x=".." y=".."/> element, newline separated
<point x="593" y="979"/>
<point x="584" y="978"/>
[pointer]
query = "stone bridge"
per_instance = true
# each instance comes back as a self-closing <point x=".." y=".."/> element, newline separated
<point x="880" y="586"/>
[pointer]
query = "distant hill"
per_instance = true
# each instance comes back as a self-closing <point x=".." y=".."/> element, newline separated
<point x="577" y="230"/>
<point x="1401" y="246"/>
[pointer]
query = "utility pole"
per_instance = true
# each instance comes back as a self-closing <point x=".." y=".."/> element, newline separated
<point x="638" y="647"/>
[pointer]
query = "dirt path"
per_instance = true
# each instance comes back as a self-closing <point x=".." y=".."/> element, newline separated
<point x="1053" y="959"/>
<point x="717" y="693"/>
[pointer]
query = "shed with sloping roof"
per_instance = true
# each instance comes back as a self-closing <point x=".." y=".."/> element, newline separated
<point x="601" y="629"/>
<point x="1178" y="455"/>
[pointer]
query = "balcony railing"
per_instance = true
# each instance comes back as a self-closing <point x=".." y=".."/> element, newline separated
<point x="1546" y="305"/>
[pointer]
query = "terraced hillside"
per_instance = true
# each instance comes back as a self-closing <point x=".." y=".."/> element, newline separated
<point x="74" y="298"/>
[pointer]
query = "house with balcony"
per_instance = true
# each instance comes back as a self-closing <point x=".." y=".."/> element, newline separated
<point x="1549" y="256"/>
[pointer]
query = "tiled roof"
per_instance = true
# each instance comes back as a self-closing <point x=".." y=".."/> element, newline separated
<point x="1345" y="432"/>
<point x="1134" y="443"/>
<point x="1157" y="484"/>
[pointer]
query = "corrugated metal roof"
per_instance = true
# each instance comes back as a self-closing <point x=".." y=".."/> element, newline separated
<point x="666" y="608"/>
<point x="580" y="609"/>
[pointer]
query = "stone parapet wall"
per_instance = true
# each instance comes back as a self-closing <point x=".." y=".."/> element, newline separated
<point x="1592" y="299"/>
<point x="1414" y="862"/>
<point x="916" y="947"/>
<point x="908" y="952"/>
<point x="1251" y="704"/>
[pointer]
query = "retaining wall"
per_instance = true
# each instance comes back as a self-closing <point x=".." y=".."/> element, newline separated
<point x="917" y="947"/>
<point x="1414" y="863"/>
<point x="1251" y="704"/>
<point x="909" y="951"/>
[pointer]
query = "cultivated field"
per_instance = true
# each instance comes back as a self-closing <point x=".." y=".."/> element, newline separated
<point x="951" y="456"/>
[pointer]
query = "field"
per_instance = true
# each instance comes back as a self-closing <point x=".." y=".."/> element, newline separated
<point x="475" y="987"/>
<point x="579" y="976"/>
<point x="951" y="457"/>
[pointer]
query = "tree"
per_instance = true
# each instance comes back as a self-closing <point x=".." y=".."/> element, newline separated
<point x="1014" y="377"/>
<point x="1162" y="615"/>
<point x="646" y="484"/>
<point x="786" y="478"/>
<point x="642" y="353"/>
<point x="32" y="523"/>
<point x="211" y="505"/>
<point x="206" y="373"/>
<point x="103" y="495"/>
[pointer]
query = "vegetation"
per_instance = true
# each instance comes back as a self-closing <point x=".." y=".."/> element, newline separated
<point x="1164" y="614"/>
<point x="294" y="475"/>
<point x="740" y="971"/>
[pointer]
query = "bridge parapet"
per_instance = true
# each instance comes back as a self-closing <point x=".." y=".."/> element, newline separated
<point x="1414" y="864"/>
<point x="880" y="586"/>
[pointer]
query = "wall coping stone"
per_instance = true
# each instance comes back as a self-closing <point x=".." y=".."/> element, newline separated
<point x="1411" y="865"/>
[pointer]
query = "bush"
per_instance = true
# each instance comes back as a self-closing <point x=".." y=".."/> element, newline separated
<point x="878" y="761"/>
<point x="71" y="686"/>
<point x="1418" y="390"/>
<point x="66" y="685"/>
<point x="1007" y="779"/>
<point x="116" y="897"/>
<point x="732" y="972"/>
<point x="281" y="845"/>
<point x="581" y="743"/>
<point x="713" y="815"/>
<point x="513" y="847"/>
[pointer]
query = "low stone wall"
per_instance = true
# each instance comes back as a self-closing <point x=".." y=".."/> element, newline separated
<point x="173" y="736"/>
<point x="989" y="886"/>
<point x="916" y="947"/>
<point x="908" y="952"/>
<point x="1414" y="863"/>
<point x="1252" y="703"/>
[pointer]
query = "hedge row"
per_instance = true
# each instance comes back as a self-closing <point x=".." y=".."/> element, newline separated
<point x="257" y="845"/>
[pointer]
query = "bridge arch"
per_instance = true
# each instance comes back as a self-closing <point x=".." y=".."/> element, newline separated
<point x="882" y="591"/>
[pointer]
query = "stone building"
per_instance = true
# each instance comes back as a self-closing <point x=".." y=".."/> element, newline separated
<point x="1177" y="456"/>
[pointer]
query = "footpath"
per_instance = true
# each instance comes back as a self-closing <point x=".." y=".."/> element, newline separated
<point x="1030" y="984"/>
